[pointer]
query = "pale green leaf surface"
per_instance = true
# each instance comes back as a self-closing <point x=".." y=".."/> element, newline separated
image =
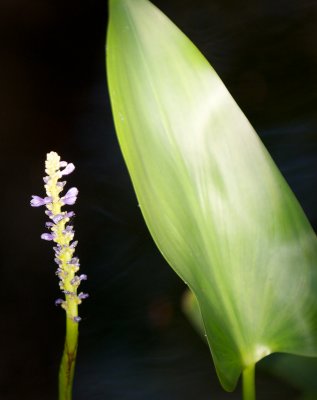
<point x="214" y="201"/>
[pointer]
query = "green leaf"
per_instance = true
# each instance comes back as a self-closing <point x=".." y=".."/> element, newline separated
<point x="214" y="201"/>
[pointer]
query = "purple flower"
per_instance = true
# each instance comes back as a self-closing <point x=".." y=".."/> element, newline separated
<point x="61" y="184"/>
<point x="74" y="244"/>
<point x="47" y="236"/>
<point x="39" y="201"/>
<point x="58" y="218"/>
<point x="74" y="261"/>
<point x="59" y="301"/>
<point x="77" y="319"/>
<point x="69" y="168"/>
<point x="70" y="197"/>
<point x="77" y="279"/>
<point x="57" y="249"/>
<point x="68" y="229"/>
<point x="83" y="296"/>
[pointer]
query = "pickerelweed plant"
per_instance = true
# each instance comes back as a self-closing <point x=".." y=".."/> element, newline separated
<point x="61" y="233"/>
<point x="213" y="199"/>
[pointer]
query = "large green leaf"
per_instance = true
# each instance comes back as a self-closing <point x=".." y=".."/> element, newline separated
<point x="213" y="199"/>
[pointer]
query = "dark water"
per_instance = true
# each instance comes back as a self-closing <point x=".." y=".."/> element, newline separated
<point x="135" y="342"/>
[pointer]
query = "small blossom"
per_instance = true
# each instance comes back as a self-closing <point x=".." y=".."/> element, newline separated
<point x="39" y="201"/>
<point x="68" y="229"/>
<point x="47" y="236"/>
<point x="83" y="296"/>
<point x="75" y="281"/>
<point x="57" y="249"/>
<point x="70" y="197"/>
<point x="68" y="170"/>
<point x="57" y="218"/>
<point x="59" y="302"/>
<point x="61" y="184"/>
<point x="76" y="319"/>
<point x="74" y="261"/>
<point x="69" y="214"/>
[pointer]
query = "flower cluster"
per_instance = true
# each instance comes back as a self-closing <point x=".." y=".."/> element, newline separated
<point x="61" y="232"/>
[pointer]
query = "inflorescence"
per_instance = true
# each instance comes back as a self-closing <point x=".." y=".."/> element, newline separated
<point x="61" y="232"/>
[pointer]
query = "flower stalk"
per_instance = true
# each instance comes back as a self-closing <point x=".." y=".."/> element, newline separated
<point x="248" y="383"/>
<point x="62" y="234"/>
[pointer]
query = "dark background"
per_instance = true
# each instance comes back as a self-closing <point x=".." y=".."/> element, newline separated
<point x="135" y="342"/>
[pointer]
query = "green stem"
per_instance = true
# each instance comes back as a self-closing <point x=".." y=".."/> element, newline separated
<point x="248" y="385"/>
<point x="67" y="367"/>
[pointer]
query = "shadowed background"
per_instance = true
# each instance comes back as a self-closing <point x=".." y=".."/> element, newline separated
<point x="135" y="342"/>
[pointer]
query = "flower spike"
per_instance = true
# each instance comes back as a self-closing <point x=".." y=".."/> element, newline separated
<point x="61" y="233"/>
